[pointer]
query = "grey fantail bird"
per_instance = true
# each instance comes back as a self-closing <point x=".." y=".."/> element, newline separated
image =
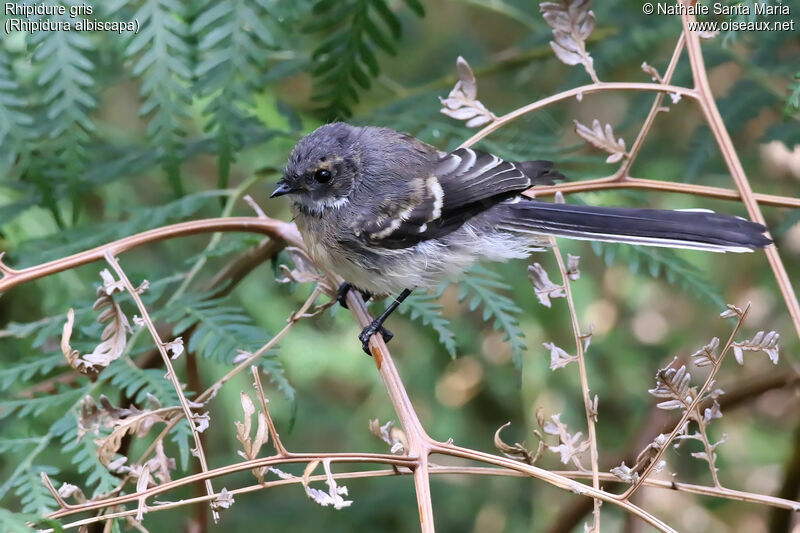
<point x="390" y="213"/>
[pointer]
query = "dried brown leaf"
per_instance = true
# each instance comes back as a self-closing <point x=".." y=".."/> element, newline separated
<point x="572" y="22"/>
<point x="114" y="336"/>
<point x="558" y="357"/>
<point x="761" y="342"/>
<point x="652" y="72"/>
<point x="542" y="286"/>
<point x="570" y="447"/>
<point x="707" y="355"/>
<point x="517" y="450"/>
<point x="335" y="492"/>
<point x="224" y="499"/>
<point x="141" y="486"/>
<point x="672" y="384"/>
<point x="462" y="103"/>
<point x="394" y="437"/>
<point x="573" y="270"/>
<point x="602" y="138"/>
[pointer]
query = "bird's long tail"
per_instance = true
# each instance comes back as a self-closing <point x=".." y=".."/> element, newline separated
<point x="694" y="229"/>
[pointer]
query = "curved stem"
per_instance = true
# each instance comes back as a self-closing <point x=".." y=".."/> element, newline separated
<point x="577" y="91"/>
<point x="588" y="405"/>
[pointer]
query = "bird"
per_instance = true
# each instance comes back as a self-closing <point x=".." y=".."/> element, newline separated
<point x="390" y="213"/>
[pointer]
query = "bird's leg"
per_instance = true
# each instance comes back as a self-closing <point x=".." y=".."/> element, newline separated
<point x="344" y="288"/>
<point x="341" y="297"/>
<point x="377" y="324"/>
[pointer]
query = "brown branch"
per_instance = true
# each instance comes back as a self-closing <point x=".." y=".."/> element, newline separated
<point x="709" y="107"/>
<point x="780" y="520"/>
<point x="243" y="466"/>
<point x="576" y="92"/>
<point x="612" y="182"/>
<point x="434" y="470"/>
<point x="274" y="228"/>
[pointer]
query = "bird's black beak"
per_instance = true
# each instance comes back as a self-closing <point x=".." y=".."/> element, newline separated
<point x="283" y="188"/>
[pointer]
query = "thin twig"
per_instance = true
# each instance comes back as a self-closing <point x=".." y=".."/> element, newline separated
<point x="570" y="93"/>
<point x="187" y="412"/>
<point x="627" y="162"/>
<point x="418" y="440"/>
<point x="588" y="405"/>
<point x="274" y="228"/>
<point x="688" y="412"/>
<point x="779" y="503"/>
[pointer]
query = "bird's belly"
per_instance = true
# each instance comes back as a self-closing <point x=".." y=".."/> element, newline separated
<point x="424" y="265"/>
<point x="334" y="258"/>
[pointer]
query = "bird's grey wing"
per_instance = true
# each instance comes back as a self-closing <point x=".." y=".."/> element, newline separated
<point x="459" y="185"/>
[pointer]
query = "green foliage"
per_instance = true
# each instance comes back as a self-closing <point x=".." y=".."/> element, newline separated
<point x="792" y="107"/>
<point x="480" y="287"/>
<point x="31" y="491"/>
<point x="84" y="455"/>
<point x="18" y="522"/>
<point x="39" y="405"/>
<point x="91" y="235"/>
<point x="346" y="58"/>
<point x="15" y="119"/>
<point x="656" y="261"/>
<point x="29" y="369"/>
<point x="162" y="58"/>
<point x="423" y="307"/>
<point x="234" y="40"/>
<point x="136" y="383"/>
<point x="218" y="331"/>
<point x="66" y="85"/>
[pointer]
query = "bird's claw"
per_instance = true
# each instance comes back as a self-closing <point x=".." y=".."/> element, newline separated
<point x="369" y="331"/>
<point x="341" y="294"/>
<point x="344" y="288"/>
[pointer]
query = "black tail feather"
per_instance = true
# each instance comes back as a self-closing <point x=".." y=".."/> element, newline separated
<point x="703" y="230"/>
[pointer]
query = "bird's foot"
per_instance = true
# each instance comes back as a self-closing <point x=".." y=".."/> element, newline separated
<point x="344" y="288"/>
<point x="375" y="327"/>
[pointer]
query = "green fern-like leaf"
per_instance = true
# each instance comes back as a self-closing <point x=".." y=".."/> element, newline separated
<point x="423" y="307"/>
<point x="18" y="522"/>
<point x="675" y="269"/>
<point x="67" y="242"/>
<point x="234" y="38"/>
<point x="34" y="407"/>
<point x="480" y="286"/>
<point x="219" y="331"/>
<point x="15" y="119"/>
<point x="346" y="59"/>
<point x="27" y="369"/>
<point x="31" y="491"/>
<point x="137" y="382"/>
<point x="162" y="58"/>
<point x="84" y="454"/>
<point x="65" y="78"/>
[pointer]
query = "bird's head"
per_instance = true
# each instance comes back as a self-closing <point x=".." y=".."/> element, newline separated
<point x="322" y="168"/>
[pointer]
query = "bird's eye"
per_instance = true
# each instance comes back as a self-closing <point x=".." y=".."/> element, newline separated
<point x="322" y="175"/>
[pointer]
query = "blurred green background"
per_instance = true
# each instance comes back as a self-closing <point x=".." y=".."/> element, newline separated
<point x="104" y="135"/>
